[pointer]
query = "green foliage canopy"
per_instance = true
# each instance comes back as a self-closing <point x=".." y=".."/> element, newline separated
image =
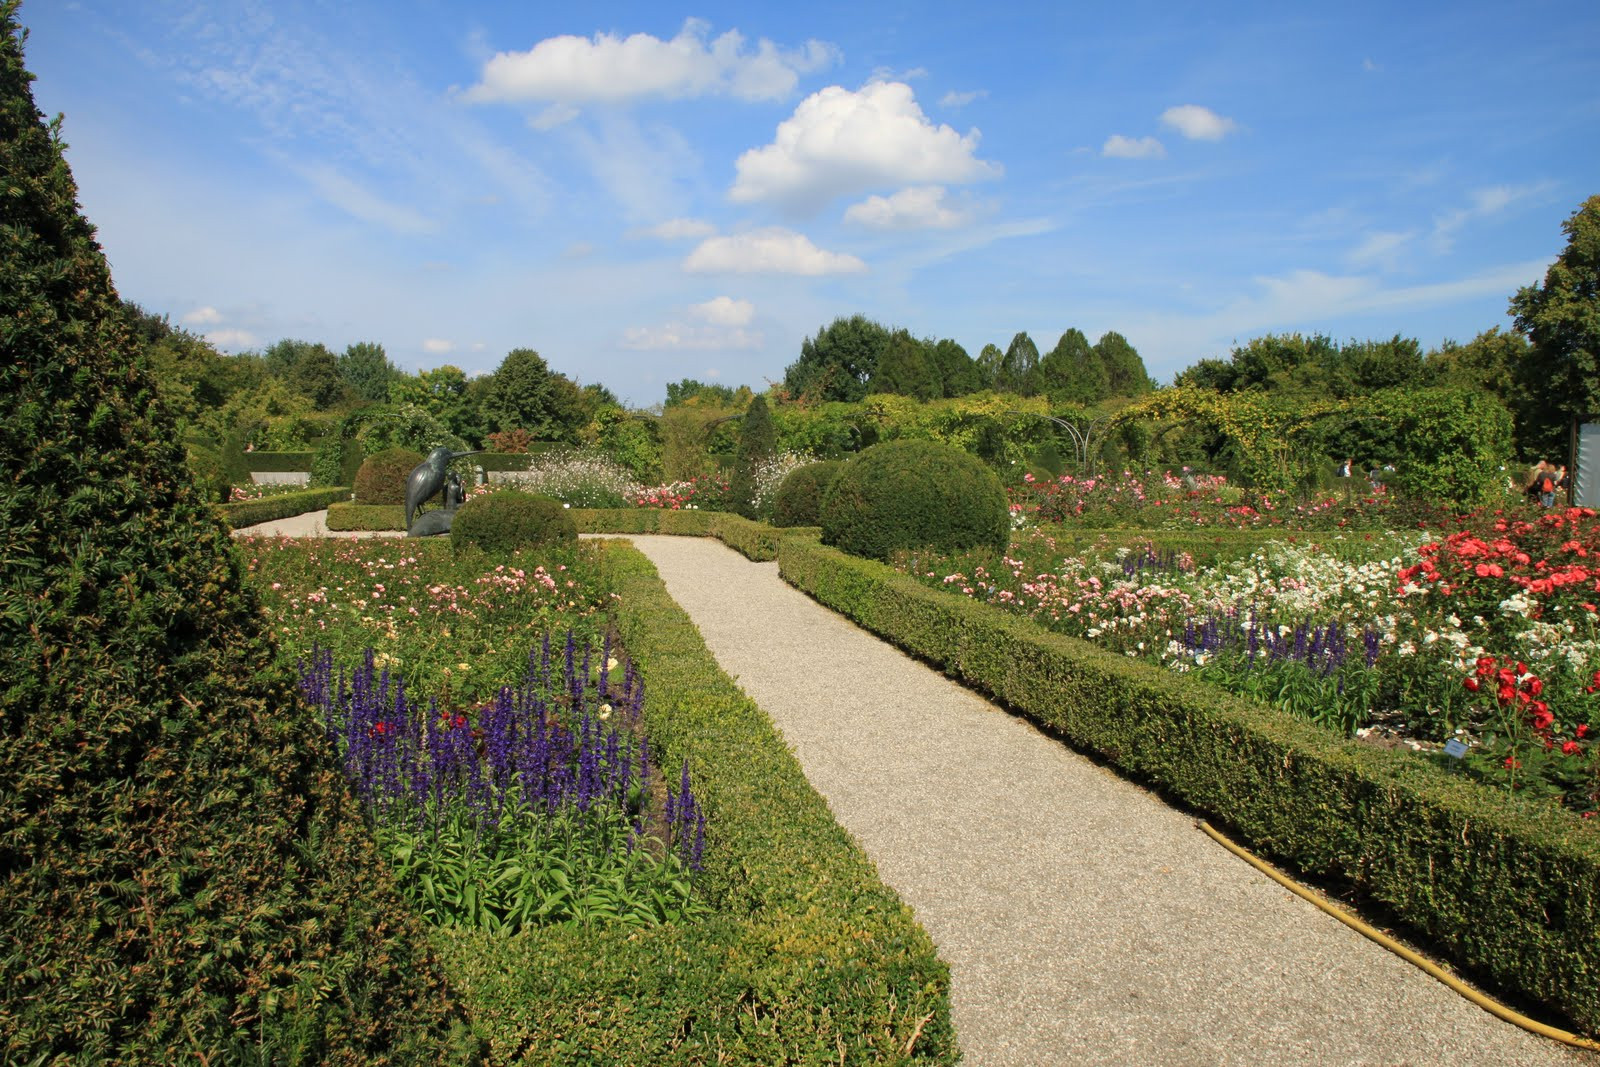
<point x="1562" y="320"/>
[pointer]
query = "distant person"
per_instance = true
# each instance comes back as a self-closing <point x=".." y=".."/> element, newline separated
<point x="1563" y="483"/>
<point x="1530" y="487"/>
<point x="1544" y="485"/>
<point x="1347" y="468"/>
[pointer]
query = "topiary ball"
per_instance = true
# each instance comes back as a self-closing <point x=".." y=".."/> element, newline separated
<point x="914" y="494"/>
<point x="509" y="519"/>
<point x="382" y="478"/>
<point x="798" y="501"/>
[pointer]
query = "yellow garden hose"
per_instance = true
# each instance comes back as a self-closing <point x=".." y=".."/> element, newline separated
<point x="1493" y="1007"/>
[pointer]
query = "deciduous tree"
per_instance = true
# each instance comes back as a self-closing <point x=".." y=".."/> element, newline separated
<point x="1562" y="320"/>
<point x="838" y="363"/>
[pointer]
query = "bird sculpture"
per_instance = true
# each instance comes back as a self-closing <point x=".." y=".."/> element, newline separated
<point x="428" y="477"/>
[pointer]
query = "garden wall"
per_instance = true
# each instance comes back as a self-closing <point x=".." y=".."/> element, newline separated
<point x="810" y="957"/>
<point x="1503" y="886"/>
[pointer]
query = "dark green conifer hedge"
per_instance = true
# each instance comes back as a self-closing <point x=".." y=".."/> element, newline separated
<point x="184" y="877"/>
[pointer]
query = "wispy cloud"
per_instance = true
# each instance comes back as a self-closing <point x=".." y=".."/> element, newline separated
<point x="1303" y="299"/>
<point x="768" y="251"/>
<point x="437" y="346"/>
<point x="840" y="142"/>
<point x="956" y="100"/>
<point x="1120" y="147"/>
<point x="324" y="108"/>
<point x="1481" y="204"/>
<point x="676" y="230"/>
<point x="351" y="196"/>
<point x="1379" y="248"/>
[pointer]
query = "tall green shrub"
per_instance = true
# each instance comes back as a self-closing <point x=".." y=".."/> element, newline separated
<point x="758" y="441"/>
<point x="184" y="877"/>
<point x="914" y="494"/>
<point x="382" y="477"/>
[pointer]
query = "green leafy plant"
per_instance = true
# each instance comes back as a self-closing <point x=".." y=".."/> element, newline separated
<point x="382" y="477"/>
<point x="911" y="494"/>
<point x="798" y="501"/>
<point x="509" y="519"/>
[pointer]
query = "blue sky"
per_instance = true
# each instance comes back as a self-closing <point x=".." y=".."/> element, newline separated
<point x="645" y="193"/>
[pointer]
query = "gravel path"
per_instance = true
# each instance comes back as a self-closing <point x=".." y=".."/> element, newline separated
<point x="1084" y="921"/>
<point x="311" y="524"/>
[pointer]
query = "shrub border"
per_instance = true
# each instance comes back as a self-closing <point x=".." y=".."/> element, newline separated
<point x="1503" y="886"/>
<point x="809" y="952"/>
<point x="242" y="513"/>
<point x="754" y="540"/>
<point x="278" y="461"/>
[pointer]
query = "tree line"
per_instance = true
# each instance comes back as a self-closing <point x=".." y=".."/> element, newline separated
<point x="294" y="392"/>
<point x="854" y="357"/>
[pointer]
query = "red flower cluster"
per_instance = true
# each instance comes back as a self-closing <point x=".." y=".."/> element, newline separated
<point x="1545" y="558"/>
<point x="1513" y="686"/>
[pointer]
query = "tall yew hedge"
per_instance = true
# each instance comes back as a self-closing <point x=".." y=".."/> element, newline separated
<point x="184" y="878"/>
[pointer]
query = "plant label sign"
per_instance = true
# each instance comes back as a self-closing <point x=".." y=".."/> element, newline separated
<point x="1455" y="747"/>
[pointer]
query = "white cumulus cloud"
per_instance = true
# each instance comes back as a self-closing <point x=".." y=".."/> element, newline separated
<point x="840" y="142"/>
<point x="1198" y="123"/>
<point x="231" y="338"/>
<point x="676" y="230"/>
<point x="437" y="346"/>
<point x="609" y="68"/>
<point x="1120" y="147"/>
<point x="724" y="311"/>
<point x="773" y="250"/>
<point x="722" y="324"/>
<point x="205" y="316"/>
<point x="921" y="207"/>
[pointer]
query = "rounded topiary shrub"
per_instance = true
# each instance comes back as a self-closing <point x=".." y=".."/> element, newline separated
<point x="508" y="519"/>
<point x="798" y="501"/>
<point x="914" y="494"/>
<point x="382" y="478"/>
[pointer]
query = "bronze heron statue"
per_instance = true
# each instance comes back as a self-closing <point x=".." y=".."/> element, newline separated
<point x="427" y="477"/>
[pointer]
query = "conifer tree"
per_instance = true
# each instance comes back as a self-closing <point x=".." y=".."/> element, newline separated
<point x="758" y="442"/>
<point x="1124" y="369"/>
<point x="184" y="876"/>
<point x="1071" y="372"/>
<point x="905" y="369"/>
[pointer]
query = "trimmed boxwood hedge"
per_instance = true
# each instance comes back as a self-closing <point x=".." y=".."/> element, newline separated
<point x="808" y="954"/>
<point x="511" y="519"/>
<point x="278" y="461"/>
<point x="754" y="540"/>
<point x="1504" y="886"/>
<point x="281" y="506"/>
<point x="366" y="517"/>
